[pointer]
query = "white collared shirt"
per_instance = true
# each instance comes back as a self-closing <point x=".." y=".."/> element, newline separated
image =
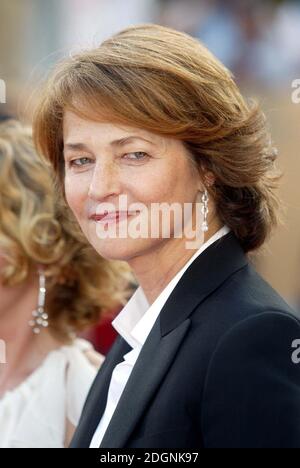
<point x="134" y="323"/>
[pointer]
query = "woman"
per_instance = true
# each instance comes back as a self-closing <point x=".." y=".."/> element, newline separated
<point x="51" y="287"/>
<point x="204" y="353"/>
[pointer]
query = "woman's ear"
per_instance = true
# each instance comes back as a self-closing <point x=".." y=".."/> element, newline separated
<point x="206" y="181"/>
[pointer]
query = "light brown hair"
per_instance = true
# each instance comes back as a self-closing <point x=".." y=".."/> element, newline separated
<point x="164" y="81"/>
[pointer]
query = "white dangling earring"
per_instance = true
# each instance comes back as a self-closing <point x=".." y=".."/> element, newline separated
<point x="40" y="317"/>
<point x="205" y="210"/>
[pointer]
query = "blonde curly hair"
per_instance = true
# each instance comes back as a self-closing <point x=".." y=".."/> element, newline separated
<point x="37" y="228"/>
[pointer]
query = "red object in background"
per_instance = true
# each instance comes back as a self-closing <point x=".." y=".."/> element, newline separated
<point x="103" y="336"/>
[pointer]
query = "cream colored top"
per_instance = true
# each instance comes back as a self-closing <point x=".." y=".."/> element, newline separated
<point x="34" y="414"/>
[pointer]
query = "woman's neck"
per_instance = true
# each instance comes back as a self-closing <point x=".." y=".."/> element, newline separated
<point x="24" y="351"/>
<point x="155" y="270"/>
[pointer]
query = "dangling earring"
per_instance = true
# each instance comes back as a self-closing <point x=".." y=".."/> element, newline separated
<point x="40" y="317"/>
<point x="205" y="211"/>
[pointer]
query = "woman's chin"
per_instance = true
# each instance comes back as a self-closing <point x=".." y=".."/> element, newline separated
<point x="123" y="249"/>
<point x="119" y="249"/>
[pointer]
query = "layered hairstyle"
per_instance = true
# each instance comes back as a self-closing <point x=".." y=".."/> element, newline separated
<point x="37" y="230"/>
<point x="166" y="82"/>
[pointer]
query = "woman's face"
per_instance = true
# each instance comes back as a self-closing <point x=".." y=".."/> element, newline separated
<point x="104" y="162"/>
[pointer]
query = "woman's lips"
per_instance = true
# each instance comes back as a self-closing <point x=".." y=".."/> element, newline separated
<point x="111" y="218"/>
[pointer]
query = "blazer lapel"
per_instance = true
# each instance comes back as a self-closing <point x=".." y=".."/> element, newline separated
<point x="153" y="363"/>
<point x="96" y="401"/>
<point x="205" y="275"/>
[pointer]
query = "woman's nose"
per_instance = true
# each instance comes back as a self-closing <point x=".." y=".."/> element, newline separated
<point x="105" y="182"/>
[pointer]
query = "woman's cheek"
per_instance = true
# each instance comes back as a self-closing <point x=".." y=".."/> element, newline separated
<point x="158" y="189"/>
<point x="68" y="191"/>
<point x="154" y="184"/>
<point x="74" y="193"/>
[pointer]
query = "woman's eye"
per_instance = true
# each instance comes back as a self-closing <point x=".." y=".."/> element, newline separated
<point x="79" y="162"/>
<point x="136" y="156"/>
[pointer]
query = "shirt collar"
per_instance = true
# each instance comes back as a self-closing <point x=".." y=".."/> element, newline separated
<point x="137" y="318"/>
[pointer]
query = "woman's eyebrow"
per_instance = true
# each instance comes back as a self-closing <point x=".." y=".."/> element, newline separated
<point x="123" y="141"/>
<point x="76" y="146"/>
<point x="119" y="142"/>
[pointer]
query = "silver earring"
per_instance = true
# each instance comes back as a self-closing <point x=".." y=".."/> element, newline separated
<point x="205" y="210"/>
<point x="40" y="317"/>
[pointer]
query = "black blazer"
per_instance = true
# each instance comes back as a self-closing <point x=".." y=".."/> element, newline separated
<point x="215" y="371"/>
